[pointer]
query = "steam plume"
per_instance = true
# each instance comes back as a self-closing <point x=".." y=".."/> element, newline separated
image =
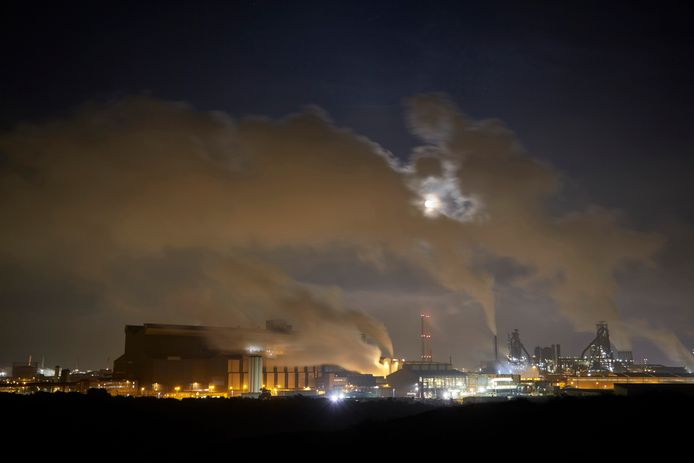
<point x="155" y="205"/>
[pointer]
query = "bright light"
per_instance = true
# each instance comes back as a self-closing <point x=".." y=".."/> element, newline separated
<point x="336" y="397"/>
<point x="431" y="203"/>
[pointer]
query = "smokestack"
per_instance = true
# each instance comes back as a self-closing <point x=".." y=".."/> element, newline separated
<point x="496" y="350"/>
<point x="425" y="336"/>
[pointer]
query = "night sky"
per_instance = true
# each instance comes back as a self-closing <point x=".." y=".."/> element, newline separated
<point x="229" y="162"/>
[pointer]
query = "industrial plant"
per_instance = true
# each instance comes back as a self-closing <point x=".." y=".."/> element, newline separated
<point x="181" y="361"/>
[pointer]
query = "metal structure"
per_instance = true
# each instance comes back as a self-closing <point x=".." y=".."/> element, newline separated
<point x="425" y="337"/>
<point x="517" y="353"/>
<point x="599" y="351"/>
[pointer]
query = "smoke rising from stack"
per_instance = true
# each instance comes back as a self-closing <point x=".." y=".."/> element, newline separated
<point x="167" y="213"/>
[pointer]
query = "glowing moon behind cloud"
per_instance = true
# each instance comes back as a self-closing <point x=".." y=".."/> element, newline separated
<point x="432" y="205"/>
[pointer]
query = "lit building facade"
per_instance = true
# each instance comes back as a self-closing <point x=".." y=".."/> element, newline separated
<point x="608" y="382"/>
<point x="427" y="380"/>
<point x="180" y="359"/>
<point x="436" y="380"/>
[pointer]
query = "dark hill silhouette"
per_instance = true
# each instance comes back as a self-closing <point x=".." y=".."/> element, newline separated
<point x="299" y="427"/>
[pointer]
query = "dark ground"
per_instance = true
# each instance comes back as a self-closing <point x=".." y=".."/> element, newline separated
<point x="314" y="429"/>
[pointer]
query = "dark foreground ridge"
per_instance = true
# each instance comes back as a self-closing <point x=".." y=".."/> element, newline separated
<point x="591" y="426"/>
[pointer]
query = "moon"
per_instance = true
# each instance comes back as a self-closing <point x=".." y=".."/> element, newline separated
<point x="432" y="204"/>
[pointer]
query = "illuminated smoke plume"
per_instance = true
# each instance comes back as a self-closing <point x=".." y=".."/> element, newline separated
<point x="168" y="214"/>
<point x="440" y="195"/>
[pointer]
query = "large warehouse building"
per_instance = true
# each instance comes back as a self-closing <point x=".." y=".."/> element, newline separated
<point x="164" y="358"/>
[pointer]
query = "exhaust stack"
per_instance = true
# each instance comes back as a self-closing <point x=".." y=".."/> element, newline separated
<point x="496" y="349"/>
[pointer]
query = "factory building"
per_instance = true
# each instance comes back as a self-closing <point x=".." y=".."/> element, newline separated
<point x="547" y="358"/>
<point x="438" y="380"/>
<point x="25" y="370"/>
<point x="164" y="358"/>
<point x="427" y="380"/>
<point x="250" y="373"/>
<point x="625" y="357"/>
<point x="597" y="358"/>
<point x="608" y="382"/>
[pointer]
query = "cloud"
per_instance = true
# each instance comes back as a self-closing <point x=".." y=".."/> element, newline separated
<point x="578" y="250"/>
<point x="160" y="205"/>
<point x="432" y="117"/>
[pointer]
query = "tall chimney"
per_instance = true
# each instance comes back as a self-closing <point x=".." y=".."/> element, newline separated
<point x="425" y="336"/>
<point x="496" y="350"/>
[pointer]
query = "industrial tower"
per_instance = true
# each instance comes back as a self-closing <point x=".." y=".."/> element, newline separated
<point x="516" y="349"/>
<point x="599" y="351"/>
<point x="425" y="337"/>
